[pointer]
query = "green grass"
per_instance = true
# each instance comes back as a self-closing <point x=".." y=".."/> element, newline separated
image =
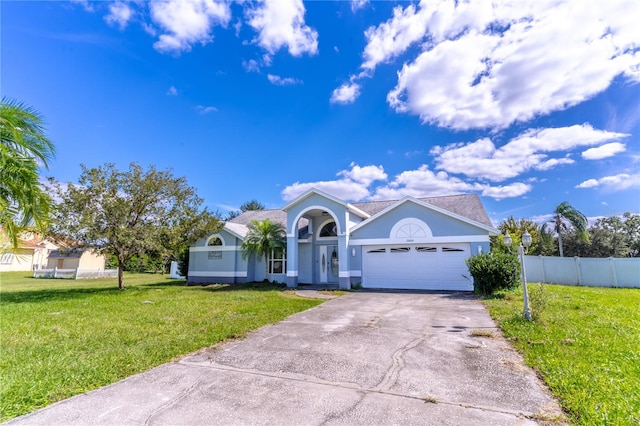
<point x="63" y="337"/>
<point x="586" y="346"/>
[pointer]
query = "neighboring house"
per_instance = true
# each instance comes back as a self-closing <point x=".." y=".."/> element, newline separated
<point x="76" y="259"/>
<point x="407" y="244"/>
<point x="31" y="254"/>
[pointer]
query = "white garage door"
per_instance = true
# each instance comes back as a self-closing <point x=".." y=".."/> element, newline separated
<point x="422" y="266"/>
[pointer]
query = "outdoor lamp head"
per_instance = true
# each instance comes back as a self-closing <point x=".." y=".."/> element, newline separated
<point x="507" y="239"/>
<point x="526" y="239"/>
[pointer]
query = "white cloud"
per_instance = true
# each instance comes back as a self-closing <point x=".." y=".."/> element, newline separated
<point x="282" y="81"/>
<point x="491" y="63"/>
<point x="251" y="65"/>
<point x="617" y="182"/>
<point x="424" y="182"/>
<point x="86" y="4"/>
<point x="281" y="24"/>
<point x="344" y="189"/>
<point x="358" y="183"/>
<point x="358" y="4"/>
<point x="172" y="91"/>
<point x="206" y="109"/>
<point x="483" y="160"/>
<point x="603" y="151"/>
<point x="186" y="23"/>
<point x="365" y="175"/>
<point x="345" y="94"/>
<point x="119" y="14"/>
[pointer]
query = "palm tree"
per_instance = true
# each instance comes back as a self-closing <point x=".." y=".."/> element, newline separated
<point x="263" y="237"/>
<point x="23" y="147"/>
<point x="564" y="213"/>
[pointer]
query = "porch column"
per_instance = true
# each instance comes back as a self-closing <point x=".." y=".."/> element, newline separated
<point x="292" y="261"/>
<point x="344" y="280"/>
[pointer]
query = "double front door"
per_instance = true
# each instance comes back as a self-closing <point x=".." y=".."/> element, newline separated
<point x="328" y="264"/>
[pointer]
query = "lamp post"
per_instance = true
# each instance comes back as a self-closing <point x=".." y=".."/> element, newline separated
<point x="522" y="249"/>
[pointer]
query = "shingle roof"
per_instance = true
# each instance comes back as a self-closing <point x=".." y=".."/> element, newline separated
<point x="466" y="205"/>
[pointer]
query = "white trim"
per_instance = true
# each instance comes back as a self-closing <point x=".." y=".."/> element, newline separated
<point x="213" y="274"/>
<point x="355" y="273"/>
<point x="322" y="225"/>
<point x="490" y="229"/>
<point x="314" y="207"/>
<point x="344" y="274"/>
<point x="292" y="273"/>
<point x="212" y="236"/>
<point x="437" y="240"/>
<point x="411" y="221"/>
<point x="215" y="248"/>
<point x="310" y="193"/>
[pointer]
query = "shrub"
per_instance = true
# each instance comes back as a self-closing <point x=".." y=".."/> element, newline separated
<point x="494" y="271"/>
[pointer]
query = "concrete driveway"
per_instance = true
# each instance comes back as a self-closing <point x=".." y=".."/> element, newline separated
<point x="369" y="358"/>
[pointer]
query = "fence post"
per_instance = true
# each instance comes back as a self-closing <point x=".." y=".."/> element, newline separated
<point x="578" y="270"/>
<point x="612" y="268"/>
<point x="55" y="272"/>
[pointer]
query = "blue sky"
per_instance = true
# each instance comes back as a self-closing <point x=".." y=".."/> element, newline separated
<point x="527" y="104"/>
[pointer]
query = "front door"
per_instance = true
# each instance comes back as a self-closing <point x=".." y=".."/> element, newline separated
<point x="328" y="262"/>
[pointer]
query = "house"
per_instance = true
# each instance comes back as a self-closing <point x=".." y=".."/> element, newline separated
<point x="76" y="259"/>
<point x="412" y="243"/>
<point x="32" y="253"/>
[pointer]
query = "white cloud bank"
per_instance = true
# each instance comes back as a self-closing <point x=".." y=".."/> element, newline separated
<point x="488" y="64"/>
<point x="529" y="151"/>
<point x="617" y="182"/>
<point x="357" y="184"/>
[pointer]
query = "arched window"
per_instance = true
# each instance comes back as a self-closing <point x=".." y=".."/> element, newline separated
<point x="215" y="241"/>
<point x="329" y="230"/>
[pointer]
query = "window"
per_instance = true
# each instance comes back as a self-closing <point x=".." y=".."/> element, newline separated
<point x="426" y="249"/>
<point x="399" y="249"/>
<point x="278" y="261"/>
<point x="380" y="250"/>
<point x="6" y="259"/>
<point x="450" y="249"/>
<point x="329" y="230"/>
<point x="214" y="241"/>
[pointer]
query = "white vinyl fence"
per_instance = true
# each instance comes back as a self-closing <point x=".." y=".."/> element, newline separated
<point x="587" y="271"/>
<point x="174" y="272"/>
<point x="75" y="274"/>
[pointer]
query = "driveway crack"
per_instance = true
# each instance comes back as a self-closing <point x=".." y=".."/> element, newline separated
<point x="397" y="365"/>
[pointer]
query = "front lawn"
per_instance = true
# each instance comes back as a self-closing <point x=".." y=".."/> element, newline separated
<point x="64" y="337"/>
<point x="586" y="347"/>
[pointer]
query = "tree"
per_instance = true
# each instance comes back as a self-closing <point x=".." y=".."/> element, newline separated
<point x="130" y="213"/>
<point x="251" y="205"/>
<point x="515" y="228"/>
<point x="245" y="207"/>
<point x="632" y="233"/>
<point x="564" y="213"/>
<point x="262" y="238"/>
<point x="23" y="147"/>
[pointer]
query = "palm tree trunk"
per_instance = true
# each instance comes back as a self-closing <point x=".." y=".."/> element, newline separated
<point x="560" y="244"/>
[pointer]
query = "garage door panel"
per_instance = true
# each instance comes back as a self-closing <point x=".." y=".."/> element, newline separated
<point x="425" y="267"/>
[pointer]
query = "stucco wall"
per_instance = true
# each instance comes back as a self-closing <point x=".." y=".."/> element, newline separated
<point x="441" y="225"/>
<point x="322" y="203"/>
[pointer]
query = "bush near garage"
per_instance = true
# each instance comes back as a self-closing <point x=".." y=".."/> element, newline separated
<point x="494" y="271"/>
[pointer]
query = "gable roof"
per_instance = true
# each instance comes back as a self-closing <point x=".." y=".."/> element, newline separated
<point x="350" y="206"/>
<point x="465" y="205"/>
<point x="408" y="199"/>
